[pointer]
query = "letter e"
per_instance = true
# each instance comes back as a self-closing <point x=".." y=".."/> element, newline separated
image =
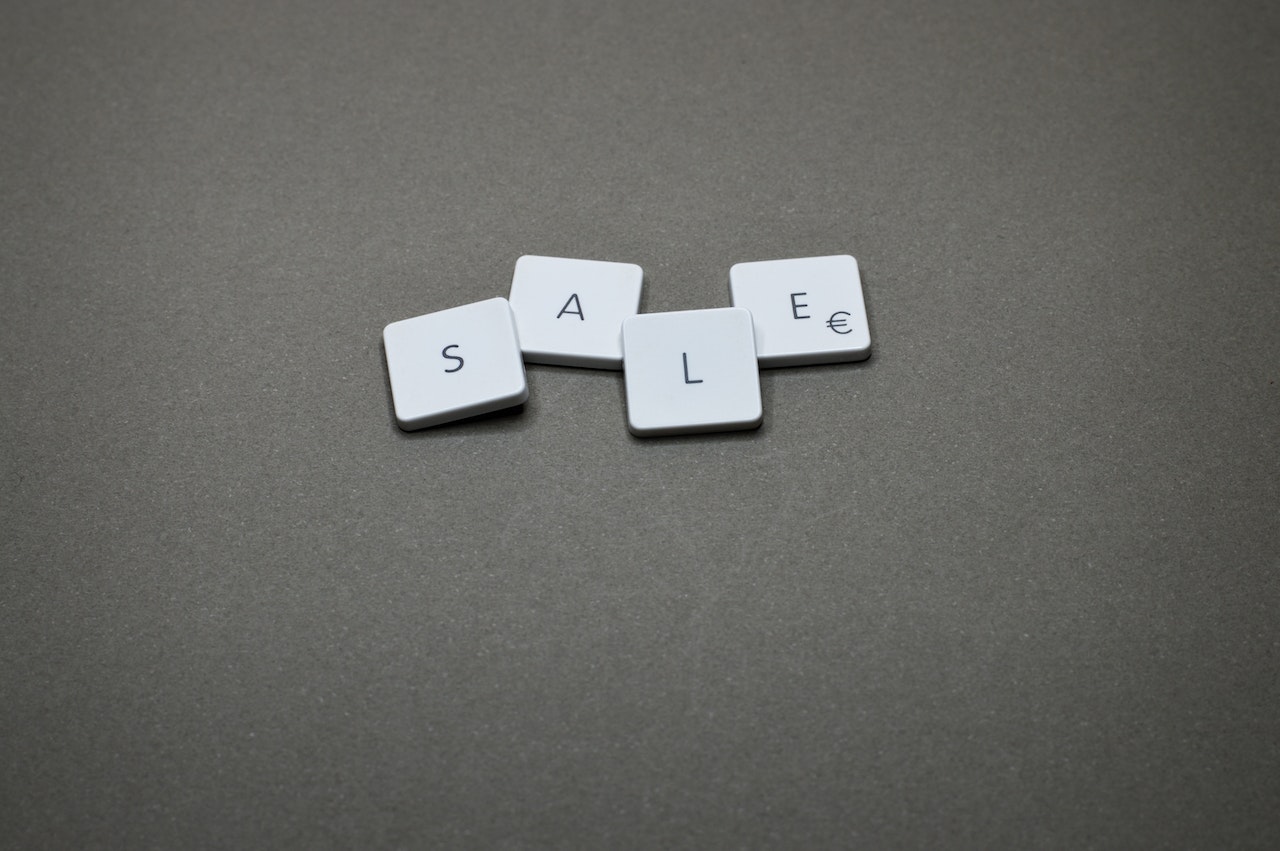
<point x="795" y="308"/>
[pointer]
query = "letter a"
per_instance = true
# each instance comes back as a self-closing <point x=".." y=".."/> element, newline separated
<point x="573" y="299"/>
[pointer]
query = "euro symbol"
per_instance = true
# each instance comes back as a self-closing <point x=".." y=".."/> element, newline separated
<point x="836" y="322"/>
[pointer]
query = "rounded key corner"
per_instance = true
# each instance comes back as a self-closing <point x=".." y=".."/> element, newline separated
<point x="640" y="432"/>
<point x="408" y="425"/>
<point x="637" y="429"/>
<point x="752" y="422"/>
<point x="517" y="395"/>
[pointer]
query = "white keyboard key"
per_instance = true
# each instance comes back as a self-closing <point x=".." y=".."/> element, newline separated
<point x="691" y="371"/>
<point x="806" y="311"/>
<point x="455" y="363"/>
<point x="570" y="312"/>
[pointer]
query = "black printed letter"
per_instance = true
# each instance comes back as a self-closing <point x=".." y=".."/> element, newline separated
<point x="688" y="380"/>
<point x="795" y="308"/>
<point x="445" y="354"/>
<point x="573" y="299"/>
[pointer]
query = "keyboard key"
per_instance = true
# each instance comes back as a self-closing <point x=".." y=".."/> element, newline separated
<point x="570" y="312"/>
<point x="455" y="363"/>
<point x="691" y="371"/>
<point x="806" y="311"/>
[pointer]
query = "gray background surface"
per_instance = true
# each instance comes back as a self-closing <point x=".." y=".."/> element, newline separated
<point x="1011" y="582"/>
